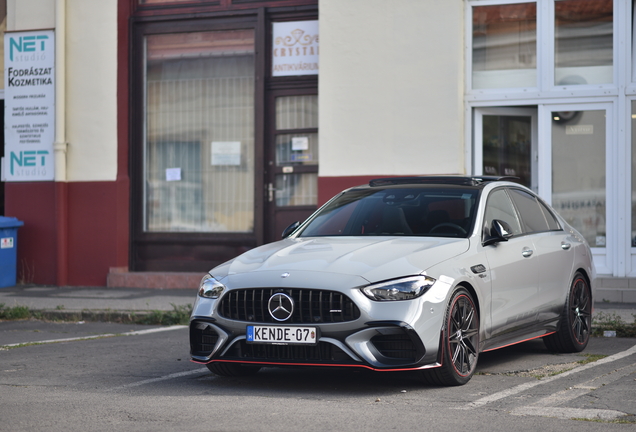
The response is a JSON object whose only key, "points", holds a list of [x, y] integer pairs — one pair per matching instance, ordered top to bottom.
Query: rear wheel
{"points": [[576, 319], [460, 342], [232, 369]]}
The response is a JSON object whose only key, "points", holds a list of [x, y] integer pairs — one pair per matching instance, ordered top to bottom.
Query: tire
{"points": [[575, 324], [460, 342], [232, 369]]}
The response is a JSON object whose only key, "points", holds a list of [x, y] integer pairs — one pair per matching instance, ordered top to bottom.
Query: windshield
{"points": [[439, 211]]}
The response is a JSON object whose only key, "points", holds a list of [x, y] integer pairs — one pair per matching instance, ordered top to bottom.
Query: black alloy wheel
{"points": [[575, 325], [460, 342]]}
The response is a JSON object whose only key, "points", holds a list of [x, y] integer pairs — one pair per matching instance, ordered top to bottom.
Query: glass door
{"points": [[506, 143], [292, 165], [580, 183]]}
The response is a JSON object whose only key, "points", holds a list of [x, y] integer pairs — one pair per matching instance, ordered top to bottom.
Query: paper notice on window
{"points": [[300, 143], [226, 153], [173, 174]]}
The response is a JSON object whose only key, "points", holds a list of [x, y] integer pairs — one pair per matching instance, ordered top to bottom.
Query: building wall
{"points": [[30, 14], [91, 71], [375, 113], [73, 229]]}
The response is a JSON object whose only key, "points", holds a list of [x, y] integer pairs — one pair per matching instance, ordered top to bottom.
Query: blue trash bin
{"points": [[8, 250]]}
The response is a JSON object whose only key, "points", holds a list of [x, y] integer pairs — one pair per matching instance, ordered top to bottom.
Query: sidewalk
{"points": [[101, 300], [95, 303]]}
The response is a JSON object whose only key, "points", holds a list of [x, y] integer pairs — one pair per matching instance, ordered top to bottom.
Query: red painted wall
{"points": [[330, 186], [34, 204], [94, 236], [94, 241]]}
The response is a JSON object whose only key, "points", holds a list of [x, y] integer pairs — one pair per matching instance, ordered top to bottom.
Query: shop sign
{"points": [[295, 48], [29, 115]]}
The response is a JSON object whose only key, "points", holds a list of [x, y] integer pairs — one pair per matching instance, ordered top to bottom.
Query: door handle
{"points": [[270, 191], [565, 246], [527, 253]]}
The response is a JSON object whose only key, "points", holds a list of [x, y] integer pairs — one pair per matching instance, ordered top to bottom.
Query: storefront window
{"points": [[583, 42], [504, 46], [199, 135], [578, 171]]}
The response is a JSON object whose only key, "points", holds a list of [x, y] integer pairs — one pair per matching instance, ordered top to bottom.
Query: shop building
{"points": [[188, 131]]}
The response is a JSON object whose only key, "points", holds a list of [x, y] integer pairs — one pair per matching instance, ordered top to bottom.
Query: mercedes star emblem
{"points": [[280, 306]]}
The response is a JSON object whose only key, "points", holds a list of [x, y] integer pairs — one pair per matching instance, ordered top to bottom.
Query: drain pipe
{"points": [[60, 145]]}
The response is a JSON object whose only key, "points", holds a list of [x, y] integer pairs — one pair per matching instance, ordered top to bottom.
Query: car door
{"points": [[552, 254], [514, 276]]}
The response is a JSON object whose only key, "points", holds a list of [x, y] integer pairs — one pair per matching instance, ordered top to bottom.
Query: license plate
{"points": [[282, 335]]}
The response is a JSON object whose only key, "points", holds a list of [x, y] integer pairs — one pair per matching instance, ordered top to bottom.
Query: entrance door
{"points": [[506, 143], [291, 186], [581, 186]]}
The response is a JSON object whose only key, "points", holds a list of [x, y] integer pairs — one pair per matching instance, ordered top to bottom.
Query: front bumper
{"points": [[373, 340]]}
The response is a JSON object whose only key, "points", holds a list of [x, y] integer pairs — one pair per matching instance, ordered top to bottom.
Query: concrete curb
{"points": [[119, 316]]}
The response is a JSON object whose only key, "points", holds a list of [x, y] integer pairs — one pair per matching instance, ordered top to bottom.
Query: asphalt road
{"points": [[105, 376]]}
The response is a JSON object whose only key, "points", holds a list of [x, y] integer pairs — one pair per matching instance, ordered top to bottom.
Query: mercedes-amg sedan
{"points": [[417, 273]]}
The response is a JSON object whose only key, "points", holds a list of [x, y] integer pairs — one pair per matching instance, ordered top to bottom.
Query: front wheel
{"points": [[576, 319], [460, 342]]}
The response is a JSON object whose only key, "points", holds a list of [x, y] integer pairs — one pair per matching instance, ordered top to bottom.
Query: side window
{"points": [[500, 207], [532, 216], [553, 223]]}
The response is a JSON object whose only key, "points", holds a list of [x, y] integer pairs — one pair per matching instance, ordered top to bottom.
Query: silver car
{"points": [[417, 273]]}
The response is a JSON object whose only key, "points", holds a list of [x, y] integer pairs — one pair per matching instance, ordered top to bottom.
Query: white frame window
{"points": [[618, 258]]}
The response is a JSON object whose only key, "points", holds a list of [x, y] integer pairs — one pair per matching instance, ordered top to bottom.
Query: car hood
{"points": [[372, 258]]}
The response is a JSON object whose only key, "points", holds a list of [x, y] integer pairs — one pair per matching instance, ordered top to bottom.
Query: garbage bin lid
{"points": [[10, 222]]}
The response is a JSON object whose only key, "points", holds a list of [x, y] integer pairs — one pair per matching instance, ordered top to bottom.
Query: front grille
{"points": [[310, 306], [202, 342], [398, 346], [322, 353]]}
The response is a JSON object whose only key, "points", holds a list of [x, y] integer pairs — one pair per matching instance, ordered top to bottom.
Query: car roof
{"points": [[479, 181]]}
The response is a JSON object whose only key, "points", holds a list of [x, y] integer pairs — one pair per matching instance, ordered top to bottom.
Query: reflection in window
{"points": [[583, 42], [505, 46], [296, 112], [199, 134], [507, 142], [578, 172], [296, 189]]}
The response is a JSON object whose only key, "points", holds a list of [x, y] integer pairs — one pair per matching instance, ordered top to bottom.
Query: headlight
{"points": [[210, 287], [399, 289]]}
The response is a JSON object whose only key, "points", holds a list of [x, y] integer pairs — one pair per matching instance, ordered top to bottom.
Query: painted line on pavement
{"points": [[107, 335], [162, 378], [526, 386], [549, 406]]}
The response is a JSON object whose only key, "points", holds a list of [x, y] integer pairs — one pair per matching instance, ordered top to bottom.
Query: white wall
{"points": [[30, 15], [91, 79], [391, 87], [91, 89]]}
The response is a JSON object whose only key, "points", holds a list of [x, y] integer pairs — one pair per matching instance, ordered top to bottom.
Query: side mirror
{"points": [[290, 229], [500, 231]]}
